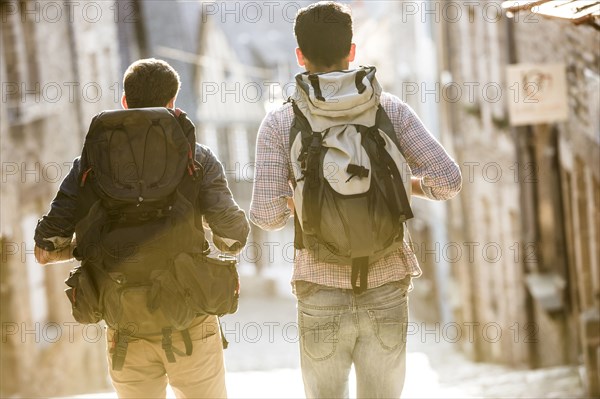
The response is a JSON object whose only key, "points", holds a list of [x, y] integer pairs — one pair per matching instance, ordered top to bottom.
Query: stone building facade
{"points": [[58, 67], [528, 219]]}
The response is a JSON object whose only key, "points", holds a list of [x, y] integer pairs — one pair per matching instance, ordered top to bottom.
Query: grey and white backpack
{"points": [[352, 183]]}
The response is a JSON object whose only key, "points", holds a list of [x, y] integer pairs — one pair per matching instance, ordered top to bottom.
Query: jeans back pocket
{"points": [[390, 325], [318, 335]]}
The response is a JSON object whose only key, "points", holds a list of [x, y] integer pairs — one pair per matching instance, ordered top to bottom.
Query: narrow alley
{"points": [[508, 303], [263, 362]]}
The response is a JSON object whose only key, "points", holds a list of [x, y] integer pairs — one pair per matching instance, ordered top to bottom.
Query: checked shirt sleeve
{"points": [[441, 177], [268, 209]]}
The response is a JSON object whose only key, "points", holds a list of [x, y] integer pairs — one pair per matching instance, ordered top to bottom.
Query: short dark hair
{"points": [[324, 32], [150, 83]]}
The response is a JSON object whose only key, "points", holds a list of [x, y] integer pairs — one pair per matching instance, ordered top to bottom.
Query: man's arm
{"points": [[435, 174], [416, 189], [270, 208], [224, 217], [54, 231], [44, 257]]}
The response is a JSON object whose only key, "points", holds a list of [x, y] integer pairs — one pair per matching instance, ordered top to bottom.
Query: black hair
{"points": [[324, 32]]}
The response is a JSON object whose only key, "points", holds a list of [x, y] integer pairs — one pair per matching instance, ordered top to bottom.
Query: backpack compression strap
{"points": [[360, 268], [122, 338], [120, 349], [170, 350]]}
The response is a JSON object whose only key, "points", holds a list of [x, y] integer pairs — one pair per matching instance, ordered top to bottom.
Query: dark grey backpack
{"points": [[145, 269]]}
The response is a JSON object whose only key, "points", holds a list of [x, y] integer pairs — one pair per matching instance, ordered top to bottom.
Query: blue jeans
{"points": [[339, 328]]}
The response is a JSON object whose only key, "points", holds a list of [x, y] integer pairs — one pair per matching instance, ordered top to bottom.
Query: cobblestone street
{"points": [[262, 362], [434, 369]]}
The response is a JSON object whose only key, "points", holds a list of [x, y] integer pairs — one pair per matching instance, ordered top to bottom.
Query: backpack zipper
{"points": [[84, 176]]}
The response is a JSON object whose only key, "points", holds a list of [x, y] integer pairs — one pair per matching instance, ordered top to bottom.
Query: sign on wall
{"points": [[537, 94]]}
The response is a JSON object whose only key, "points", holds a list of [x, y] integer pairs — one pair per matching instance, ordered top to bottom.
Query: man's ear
{"points": [[352, 52], [300, 57], [124, 102], [171, 104]]}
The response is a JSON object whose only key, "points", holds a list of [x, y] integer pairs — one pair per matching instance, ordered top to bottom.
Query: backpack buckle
{"points": [[356, 171]]}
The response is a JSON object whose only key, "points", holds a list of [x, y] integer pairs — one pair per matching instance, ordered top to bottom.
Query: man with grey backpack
{"points": [[344, 158]]}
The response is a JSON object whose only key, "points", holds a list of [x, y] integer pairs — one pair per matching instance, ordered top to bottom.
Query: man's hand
{"points": [[417, 191], [290, 204], [227, 245], [44, 257]]}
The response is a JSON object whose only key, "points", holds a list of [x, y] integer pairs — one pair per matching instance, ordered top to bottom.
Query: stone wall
{"points": [[58, 68], [531, 191]]}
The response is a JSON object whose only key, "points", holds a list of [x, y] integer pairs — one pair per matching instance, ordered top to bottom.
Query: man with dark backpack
{"points": [[344, 158], [137, 200]]}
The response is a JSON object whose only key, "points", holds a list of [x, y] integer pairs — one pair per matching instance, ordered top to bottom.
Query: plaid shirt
{"points": [[441, 180]]}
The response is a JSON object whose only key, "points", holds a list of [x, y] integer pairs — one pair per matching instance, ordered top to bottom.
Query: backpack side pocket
{"points": [[211, 286], [83, 295]]}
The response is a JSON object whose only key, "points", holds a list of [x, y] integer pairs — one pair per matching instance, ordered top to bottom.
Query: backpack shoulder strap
{"points": [[384, 123], [299, 125], [311, 141], [84, 163]]}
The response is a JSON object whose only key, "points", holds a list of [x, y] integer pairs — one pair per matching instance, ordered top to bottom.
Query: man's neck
{"points": [[319, 69]]}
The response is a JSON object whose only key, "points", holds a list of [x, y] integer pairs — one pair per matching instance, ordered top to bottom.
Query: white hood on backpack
{"points": [[338, 98], [334, 104]]}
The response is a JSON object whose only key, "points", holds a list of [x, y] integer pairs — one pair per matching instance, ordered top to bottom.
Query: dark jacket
{"points": [[215, 203]]}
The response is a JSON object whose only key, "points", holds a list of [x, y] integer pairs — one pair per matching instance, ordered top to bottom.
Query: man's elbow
{"points": [[455, 183], [445, 186]]}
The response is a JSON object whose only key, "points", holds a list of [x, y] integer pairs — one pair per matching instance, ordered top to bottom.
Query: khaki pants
{"points": [[147, 371]]}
